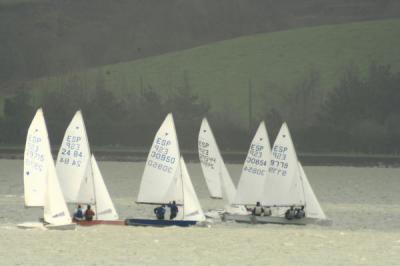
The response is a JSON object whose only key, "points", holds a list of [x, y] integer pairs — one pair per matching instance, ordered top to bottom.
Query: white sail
{"points": [[35, 158], [209, 159], [72, 163], [162, 172], [217, 177], [251, 184], [283, 184], [227, 186], [86, 193], [191, 205], [312, 207], [55, 209], [105, 209]]}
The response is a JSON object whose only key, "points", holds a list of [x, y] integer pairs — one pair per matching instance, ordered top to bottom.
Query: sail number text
{"points": [[71, 153], [160, 153], [204, 155], [33, 156], [278, 165]]}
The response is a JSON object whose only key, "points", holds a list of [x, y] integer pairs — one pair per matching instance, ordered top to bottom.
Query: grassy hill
{"points": [[51, 37], [274, 62]]}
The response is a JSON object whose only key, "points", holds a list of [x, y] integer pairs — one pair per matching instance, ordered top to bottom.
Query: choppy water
{"points": [[364, 204]]}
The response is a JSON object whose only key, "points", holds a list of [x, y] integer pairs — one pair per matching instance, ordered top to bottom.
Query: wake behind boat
{"points": [[166, 179]]}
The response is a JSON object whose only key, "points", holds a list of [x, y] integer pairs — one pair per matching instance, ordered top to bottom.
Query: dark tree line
{"points": [[360, 115], [131, 121]]}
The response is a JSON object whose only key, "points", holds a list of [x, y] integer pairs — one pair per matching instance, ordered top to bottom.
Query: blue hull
{"points": [[159, 223]]}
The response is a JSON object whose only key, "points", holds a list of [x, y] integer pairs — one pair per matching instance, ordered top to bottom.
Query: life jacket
{"points": [[79, 213]]}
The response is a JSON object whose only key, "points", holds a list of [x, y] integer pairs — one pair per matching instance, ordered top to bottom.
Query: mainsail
{"points": [[209, 156], [35, 161], [73, 163], [214, 169], [254, 173], [161, 179], [283, 186]]}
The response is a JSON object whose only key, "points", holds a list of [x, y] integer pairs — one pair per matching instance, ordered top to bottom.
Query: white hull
{"points": [[31, 225], [42, 226]]}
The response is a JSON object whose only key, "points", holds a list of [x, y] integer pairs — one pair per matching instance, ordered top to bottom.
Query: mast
{"points": [[183, 190]]}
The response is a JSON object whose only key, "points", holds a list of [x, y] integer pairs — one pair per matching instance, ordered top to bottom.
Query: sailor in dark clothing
{"points": [[174, 210], [258, 210], [160, 212], [290, 213], [300, 213], [89, 214], [78, 215]]}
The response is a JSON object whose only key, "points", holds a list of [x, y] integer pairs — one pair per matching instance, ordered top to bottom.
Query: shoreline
{"points": [[232, 157]]}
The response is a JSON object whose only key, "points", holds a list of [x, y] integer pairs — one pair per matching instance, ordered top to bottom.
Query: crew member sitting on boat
{"points": [[174, 210], [258, 210], [160, 212], [89, 213], [290, 213], [300, 213], [78, 215]]}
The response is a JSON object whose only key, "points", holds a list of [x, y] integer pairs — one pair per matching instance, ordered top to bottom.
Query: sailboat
{"points": [[254, 172], [80, 176], [166, 179], [219, 182], [286, 185], [41, 186]]}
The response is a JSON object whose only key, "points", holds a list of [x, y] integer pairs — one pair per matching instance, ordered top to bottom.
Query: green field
{"points": [[274, 62]]}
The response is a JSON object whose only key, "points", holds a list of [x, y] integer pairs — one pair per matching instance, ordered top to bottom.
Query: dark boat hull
{"points": [[278, 220], [99, 222], [159, 223]]}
